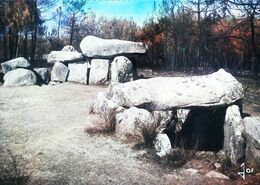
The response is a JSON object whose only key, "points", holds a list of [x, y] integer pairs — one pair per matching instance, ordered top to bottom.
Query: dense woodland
{"points": [[181, 35]]}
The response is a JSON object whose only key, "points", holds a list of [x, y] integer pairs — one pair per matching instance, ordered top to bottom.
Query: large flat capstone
{"points": [[95, 47], [163, 93]]}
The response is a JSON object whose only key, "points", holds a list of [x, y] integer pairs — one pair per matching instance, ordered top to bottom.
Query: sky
{"points": [[139, 10]]}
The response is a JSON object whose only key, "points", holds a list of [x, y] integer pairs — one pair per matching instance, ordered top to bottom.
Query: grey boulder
{"points": [[95, 47], [14, 64], [121, 70], [99, 71], [59, 72], [19, 77], [165, 93], [103, 106], [130, 121], [252, 135]]}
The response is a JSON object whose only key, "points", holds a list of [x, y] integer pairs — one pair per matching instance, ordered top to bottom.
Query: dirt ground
{"points": [[45, 125]]}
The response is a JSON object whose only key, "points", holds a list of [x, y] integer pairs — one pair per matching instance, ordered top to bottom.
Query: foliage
{"points": [[149, 133]]}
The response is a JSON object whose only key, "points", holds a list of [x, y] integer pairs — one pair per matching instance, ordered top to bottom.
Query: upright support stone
{"points": [[99, 71], [59, 72], [234, 143]]}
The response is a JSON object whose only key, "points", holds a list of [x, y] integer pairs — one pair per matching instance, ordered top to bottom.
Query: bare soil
{"points": [[45, 125]]}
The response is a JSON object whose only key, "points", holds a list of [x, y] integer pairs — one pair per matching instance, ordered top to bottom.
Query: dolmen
{"points": [[101, 61], [19, 72], [197, 111]]}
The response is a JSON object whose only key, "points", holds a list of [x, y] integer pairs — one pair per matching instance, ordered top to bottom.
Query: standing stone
{"points": [[95, 47], [14, 64], [121, 70], [99, 71], [59, 72], [78, 72], [42, 74], [19, 77], [131, 120], [252, 135], [233, 140], [162, 144]]}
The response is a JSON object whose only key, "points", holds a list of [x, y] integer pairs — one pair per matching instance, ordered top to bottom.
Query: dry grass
{"points": [[108, 126], [149, 133]]}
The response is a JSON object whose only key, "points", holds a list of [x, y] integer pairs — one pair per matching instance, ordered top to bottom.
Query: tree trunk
{"points": [[72, 28], [34, 34], [10, 43], [5, 48], [25, 54], [254, 60]]}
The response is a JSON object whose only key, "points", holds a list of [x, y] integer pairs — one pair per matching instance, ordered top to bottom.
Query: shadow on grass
{"points": [[12, 169]]}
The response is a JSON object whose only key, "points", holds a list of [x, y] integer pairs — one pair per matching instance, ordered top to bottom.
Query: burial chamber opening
{"points": [[202, 130]]}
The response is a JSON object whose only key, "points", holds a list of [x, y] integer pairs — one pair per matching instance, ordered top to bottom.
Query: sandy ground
{"points": [[45, 125]]}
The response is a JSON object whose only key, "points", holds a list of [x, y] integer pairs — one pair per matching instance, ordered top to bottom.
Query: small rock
{"points": [[162, 145], [217, 165], [189, 172], [214, 174]]}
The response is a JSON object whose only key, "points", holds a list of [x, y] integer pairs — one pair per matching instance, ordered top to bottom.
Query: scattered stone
{"points": [[95, 47], [69, 48], [64, 56], [14, 64], [121, 70], [59, 72], [78, 72], [99, 72], [42, 74], [19, 77], [52, 83], [165, 93], [130, 121], [252, 135], [233, 140], [162, 144], [217, 166], [189, 172], [214, 174]]}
